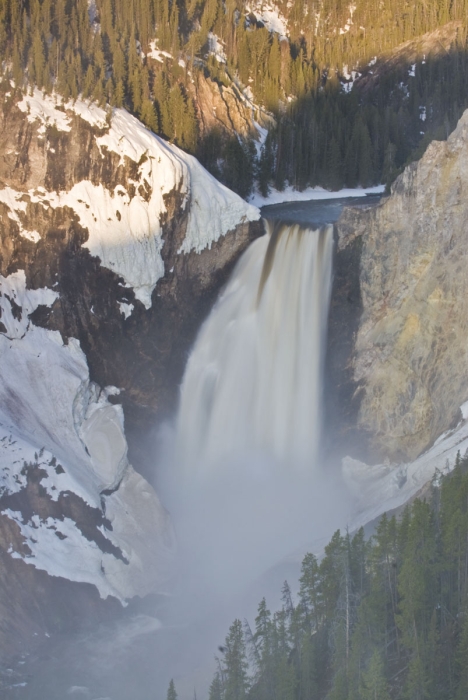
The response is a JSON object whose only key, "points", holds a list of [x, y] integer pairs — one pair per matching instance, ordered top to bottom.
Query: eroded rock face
{"points": [[225, 108], [410, 354]]}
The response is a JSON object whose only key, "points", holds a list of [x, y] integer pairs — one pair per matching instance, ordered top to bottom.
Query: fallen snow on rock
{"points": [[269, 14], [349, 22], [215, 48], [156, 53], [44, 109], [53, 110], [289, 194], [12, 198], [214, 209], [125, 228], [17, 302], [125, 309], [55, 420], [17, 454], [383, 487], [140, 530]]}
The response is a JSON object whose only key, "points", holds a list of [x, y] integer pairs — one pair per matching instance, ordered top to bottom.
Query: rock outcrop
{"points": [[227, 109], [113, 246], [406, 373]]}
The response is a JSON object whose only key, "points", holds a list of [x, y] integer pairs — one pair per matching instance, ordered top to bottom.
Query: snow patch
{"points": [[92, 11], [269, 14], [349, 22], [215, 48], [156, 54], [350, 77], [404, 89], [43, 108], [51, 110], [90, 112], [262, 135], [289, 194], [15, 202], [214, 209], [124, 232], [33, 236], [17, 303], [125, 309], [17, 454], [383, 487], [59, 548]]}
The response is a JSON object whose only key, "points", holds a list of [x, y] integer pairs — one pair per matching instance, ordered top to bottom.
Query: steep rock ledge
{"points": [[407, 367]]}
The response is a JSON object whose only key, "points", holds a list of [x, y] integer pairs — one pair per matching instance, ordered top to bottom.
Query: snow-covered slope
{"points": [[125, 223], [57, 423], [383, 487]]}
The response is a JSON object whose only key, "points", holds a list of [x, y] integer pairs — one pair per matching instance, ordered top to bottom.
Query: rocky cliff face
{"points": [[227, 109], [113, 246], [406, 373]]}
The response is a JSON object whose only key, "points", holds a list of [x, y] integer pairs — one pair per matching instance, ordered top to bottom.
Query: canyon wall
{"points": [[113, 246], [400, 306]]}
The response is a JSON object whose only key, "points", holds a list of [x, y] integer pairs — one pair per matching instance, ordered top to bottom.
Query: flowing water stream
{"points": [[253, 380]]}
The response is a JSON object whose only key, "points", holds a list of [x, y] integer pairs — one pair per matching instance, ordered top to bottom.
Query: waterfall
{"points": [[253, 382]]}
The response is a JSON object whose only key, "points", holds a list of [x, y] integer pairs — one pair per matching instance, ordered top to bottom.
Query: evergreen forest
{"points": [[324, 131], [378, 619]]}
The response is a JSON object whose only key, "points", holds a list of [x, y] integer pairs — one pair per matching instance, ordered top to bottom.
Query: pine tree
{"points": [[148, 116], [309, 591], [235, 664], [374, 684], [216, 688], [171, 691]]}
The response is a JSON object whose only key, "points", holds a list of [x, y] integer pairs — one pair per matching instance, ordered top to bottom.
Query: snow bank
{"points": [[269, 14], [349, 21], [216, 48], [156, 54], [289, 194], [16, 205], [214, 209], [14, 294], [46, 399], [53, 417], [383, 487]]}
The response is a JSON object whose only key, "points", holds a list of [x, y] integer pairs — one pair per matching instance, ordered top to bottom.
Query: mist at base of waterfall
{"points": [[241, 530]]}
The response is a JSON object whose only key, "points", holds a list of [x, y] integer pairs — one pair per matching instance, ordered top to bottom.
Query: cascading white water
{"points": [[252, 385]]}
